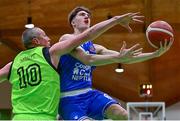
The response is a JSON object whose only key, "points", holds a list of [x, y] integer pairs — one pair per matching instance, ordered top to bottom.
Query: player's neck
{"points": [[78, 31]]}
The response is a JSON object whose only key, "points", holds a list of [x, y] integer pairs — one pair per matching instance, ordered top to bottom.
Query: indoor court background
{"points": [[51, 15]]}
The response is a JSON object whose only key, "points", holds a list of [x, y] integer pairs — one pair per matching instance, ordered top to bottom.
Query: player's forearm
{"points": [[101, 27], [96, 30], [89, 34], [109, 52], [142, 57], [98, 60]]}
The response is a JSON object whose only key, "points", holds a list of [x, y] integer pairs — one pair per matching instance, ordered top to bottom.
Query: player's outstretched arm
{"points": [[93, 32], [64, 47], [103, 50], [125, 56], [140, 57], [107, 58], [4, 72]]}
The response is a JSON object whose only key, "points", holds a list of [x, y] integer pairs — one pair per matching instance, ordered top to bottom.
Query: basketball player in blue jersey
{"points": [[78, 100]]}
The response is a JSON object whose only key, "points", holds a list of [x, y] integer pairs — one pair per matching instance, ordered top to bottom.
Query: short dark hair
{"points": [[74, 12], [28, 35]]}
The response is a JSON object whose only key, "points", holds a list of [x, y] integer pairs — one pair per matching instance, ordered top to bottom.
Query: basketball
{"points": [[157, 32]]}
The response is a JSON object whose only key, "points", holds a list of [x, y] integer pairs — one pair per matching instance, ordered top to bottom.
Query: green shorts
{"points": [[33, 117]]}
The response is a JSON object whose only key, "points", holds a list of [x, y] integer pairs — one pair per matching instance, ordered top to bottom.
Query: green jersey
{"points": [[35, 83]]}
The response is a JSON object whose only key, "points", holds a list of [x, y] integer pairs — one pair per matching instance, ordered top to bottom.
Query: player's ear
{"points": [[73, 23], [35, 41]]}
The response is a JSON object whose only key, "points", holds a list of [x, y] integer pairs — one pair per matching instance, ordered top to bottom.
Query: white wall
{"points": [[173, 112]]}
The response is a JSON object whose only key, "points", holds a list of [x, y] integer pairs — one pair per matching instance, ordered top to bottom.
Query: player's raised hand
{"points": [[125, 19]]}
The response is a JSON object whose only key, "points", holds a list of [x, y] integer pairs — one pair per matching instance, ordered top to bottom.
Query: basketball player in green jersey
{"points": [[35, 82]]}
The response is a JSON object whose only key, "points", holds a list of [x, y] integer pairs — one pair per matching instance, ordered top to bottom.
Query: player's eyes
{"points": [[83, 14]]}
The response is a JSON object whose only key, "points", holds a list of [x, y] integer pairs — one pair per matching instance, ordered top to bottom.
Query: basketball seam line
{"points": [[158, 29]]}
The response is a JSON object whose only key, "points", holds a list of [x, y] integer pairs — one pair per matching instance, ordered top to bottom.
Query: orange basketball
{"points": [[158, 31]]}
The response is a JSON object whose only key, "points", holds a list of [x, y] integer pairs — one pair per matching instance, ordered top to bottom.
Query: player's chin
{"points": [[86, 26]]}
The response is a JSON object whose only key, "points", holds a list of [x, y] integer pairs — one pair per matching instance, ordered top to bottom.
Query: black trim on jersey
{"points": [[46, 55], [59, 66], [10, 70]]}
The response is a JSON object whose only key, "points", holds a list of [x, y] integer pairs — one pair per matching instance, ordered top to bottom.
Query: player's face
{"points": [[82, 20], [43, 39]]}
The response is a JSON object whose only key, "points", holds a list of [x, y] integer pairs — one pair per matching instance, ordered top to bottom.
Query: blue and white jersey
{"points": [[74, 74]]}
